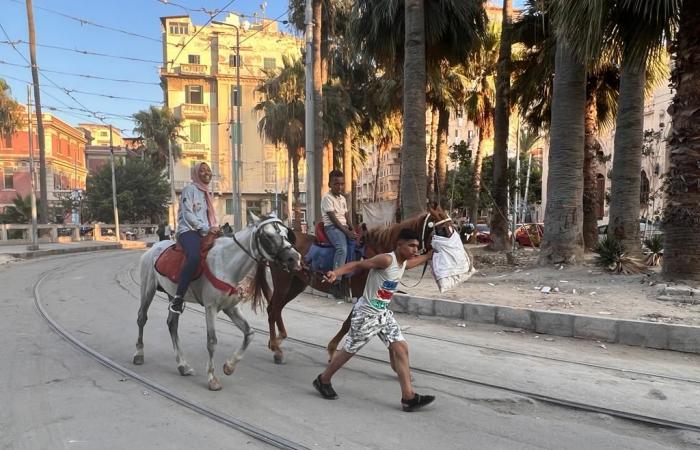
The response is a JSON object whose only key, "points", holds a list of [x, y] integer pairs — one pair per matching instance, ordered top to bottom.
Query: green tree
{"points": [[410, 34], [10, 112], [282, 122], [159, 128], [142, 192], [20, 211]]}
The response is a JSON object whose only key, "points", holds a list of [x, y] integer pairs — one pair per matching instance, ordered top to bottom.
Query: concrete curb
{"points": [[63, 251], [682, 338]]}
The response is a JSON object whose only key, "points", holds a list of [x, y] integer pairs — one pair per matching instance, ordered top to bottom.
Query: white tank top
{"points": [[382, 284]]}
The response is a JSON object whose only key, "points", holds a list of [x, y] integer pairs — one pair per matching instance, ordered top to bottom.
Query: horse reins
{"points": [[426, 225], [254, 241]]}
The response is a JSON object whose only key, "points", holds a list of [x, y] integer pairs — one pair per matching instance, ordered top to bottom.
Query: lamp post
{"points": [[236, 136], [34, 245]]}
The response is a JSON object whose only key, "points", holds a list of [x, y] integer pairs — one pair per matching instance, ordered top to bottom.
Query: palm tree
{"points": [[621, 26], [410, 34], [479, 104], [10, 112], [282, 122], [159, 128], [682, 211], [499, 219]]}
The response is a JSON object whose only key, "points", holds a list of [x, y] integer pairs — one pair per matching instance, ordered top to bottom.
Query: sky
{"points": [[116, 18]]}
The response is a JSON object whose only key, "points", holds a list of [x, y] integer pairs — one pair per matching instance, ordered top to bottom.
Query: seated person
{"points": [[336, 220]]}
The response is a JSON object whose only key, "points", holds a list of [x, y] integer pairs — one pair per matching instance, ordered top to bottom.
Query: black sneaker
{"points": [[177, 305], [325, 389], [417, 402]]}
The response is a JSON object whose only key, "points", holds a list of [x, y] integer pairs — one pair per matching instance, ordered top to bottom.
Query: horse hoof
{"points": [[279, 358], [138, 359], [229, 368], [185, 370], [214, 385]]}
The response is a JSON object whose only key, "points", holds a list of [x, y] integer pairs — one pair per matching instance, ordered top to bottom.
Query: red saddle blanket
{"points": [[321, 236], [170, 262]]}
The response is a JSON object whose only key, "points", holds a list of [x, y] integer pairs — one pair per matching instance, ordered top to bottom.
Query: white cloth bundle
{"points": [[451, 263]]}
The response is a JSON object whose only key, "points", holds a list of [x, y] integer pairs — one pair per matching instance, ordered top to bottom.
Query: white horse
{"points": [[231, 260]]}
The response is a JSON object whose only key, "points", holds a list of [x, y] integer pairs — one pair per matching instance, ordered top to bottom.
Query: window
{"points": [[178, 28], [193, 59], [234, 60], [269, 63], [193, 94], [234, 96], [195, 132], [104, 133], [457, 133], [470, 134], [8, 140], [270, 175], [8, 179], [229, 206], [253, 206]]}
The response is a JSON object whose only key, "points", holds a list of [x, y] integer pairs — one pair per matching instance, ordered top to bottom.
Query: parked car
{"points": [[483, 233], [529, 234]]}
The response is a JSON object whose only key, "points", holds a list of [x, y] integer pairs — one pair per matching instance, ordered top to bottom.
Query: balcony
{"points": [[192, 69], [192, 110], [194, 149]]}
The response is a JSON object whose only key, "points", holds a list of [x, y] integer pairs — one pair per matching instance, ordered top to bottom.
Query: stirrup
{"points": [[174, 302]]}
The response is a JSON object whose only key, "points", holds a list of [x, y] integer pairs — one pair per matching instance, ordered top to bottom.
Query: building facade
{"points": [[200, 66], [65, 161]]}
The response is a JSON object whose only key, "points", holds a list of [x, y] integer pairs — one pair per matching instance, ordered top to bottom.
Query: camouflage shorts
{"points": [[366, 323]]}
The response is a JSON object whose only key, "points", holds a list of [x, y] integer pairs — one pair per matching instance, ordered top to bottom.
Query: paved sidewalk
{"points": [[21, 251]]}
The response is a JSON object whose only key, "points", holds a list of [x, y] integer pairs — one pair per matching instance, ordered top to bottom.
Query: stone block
{"points": [[399, 303], [421, 306], [449, 309], [479, 312], [514, 317], [555, 323], [590, 327], [644, 334], [683, 338]]}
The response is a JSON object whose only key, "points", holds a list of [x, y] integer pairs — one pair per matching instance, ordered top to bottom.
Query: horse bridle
{"points": [[430, 225], [255, 244]]}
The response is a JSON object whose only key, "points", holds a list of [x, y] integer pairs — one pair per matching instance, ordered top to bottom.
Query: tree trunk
{"points": [[318, 116], [434, 117], [295, 155], [441, 155], [627, 159], [347, 169], [590, 170], [413, 176], [476, 179], [43, 189], [682, 213], [499, 219], [563, 239]]}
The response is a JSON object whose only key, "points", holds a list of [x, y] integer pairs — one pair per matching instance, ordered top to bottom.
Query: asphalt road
{"points": [[55, 396]]}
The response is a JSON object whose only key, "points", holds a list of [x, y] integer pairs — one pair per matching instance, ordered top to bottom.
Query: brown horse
{"points": [[286, 286]]}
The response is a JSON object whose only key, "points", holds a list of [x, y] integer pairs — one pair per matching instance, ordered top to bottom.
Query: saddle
{"points": [[170, 262]]}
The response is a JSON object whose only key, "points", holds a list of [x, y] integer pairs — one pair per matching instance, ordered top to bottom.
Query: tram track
{"points": [[571, 404], [251, 430]]}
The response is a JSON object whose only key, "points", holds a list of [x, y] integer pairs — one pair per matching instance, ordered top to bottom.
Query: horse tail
{"points": [[262, 293]]}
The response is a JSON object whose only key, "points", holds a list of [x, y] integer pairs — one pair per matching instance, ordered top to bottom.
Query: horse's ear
{"points": [[253, 217]]}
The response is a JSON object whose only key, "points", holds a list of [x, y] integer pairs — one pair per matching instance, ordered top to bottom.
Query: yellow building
{"points": [[199, 79], [99, 134]]}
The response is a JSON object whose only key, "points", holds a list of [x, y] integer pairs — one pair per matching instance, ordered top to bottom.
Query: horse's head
{"points": [[435, 222], [273, 238]]}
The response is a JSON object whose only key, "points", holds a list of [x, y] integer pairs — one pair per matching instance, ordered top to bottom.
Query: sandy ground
{"points": [[585, 289]]}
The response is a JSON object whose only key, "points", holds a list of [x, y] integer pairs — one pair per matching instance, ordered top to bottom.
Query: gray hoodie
{"points": [[192, 215]]}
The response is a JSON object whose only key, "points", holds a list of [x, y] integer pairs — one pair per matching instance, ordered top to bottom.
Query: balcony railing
{"points": [[193, 69], [188, 110], [194, 148]]}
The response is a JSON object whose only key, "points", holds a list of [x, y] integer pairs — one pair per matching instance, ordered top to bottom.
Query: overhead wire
{"points": [[84, 52], [96, 77]]}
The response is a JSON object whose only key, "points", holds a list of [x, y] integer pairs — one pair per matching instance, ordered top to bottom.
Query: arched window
{"points": [[644, 189]]}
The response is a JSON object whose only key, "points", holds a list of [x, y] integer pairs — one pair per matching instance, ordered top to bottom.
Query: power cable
{"points": [[84, 52], [119, 80]]}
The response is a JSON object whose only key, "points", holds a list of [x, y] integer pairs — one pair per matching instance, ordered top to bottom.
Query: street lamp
{"points": [[236, 137]]}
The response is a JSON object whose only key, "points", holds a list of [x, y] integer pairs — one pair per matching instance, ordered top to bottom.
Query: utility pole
{"points": [[309, 143], [114, 186], [44, 204], [35, 242]]}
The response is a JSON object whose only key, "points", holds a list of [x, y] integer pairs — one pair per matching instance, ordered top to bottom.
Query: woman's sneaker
{"points": [[325, 389], [417, 402]]}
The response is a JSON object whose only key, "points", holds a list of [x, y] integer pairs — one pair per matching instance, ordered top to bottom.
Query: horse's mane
{"points": [[383, 239]]}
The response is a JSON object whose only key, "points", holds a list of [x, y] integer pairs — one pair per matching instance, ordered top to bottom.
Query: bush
{"points": [[611, 255]]}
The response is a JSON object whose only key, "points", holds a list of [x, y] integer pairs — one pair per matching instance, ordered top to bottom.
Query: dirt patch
{"points": [[583, 289]]}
